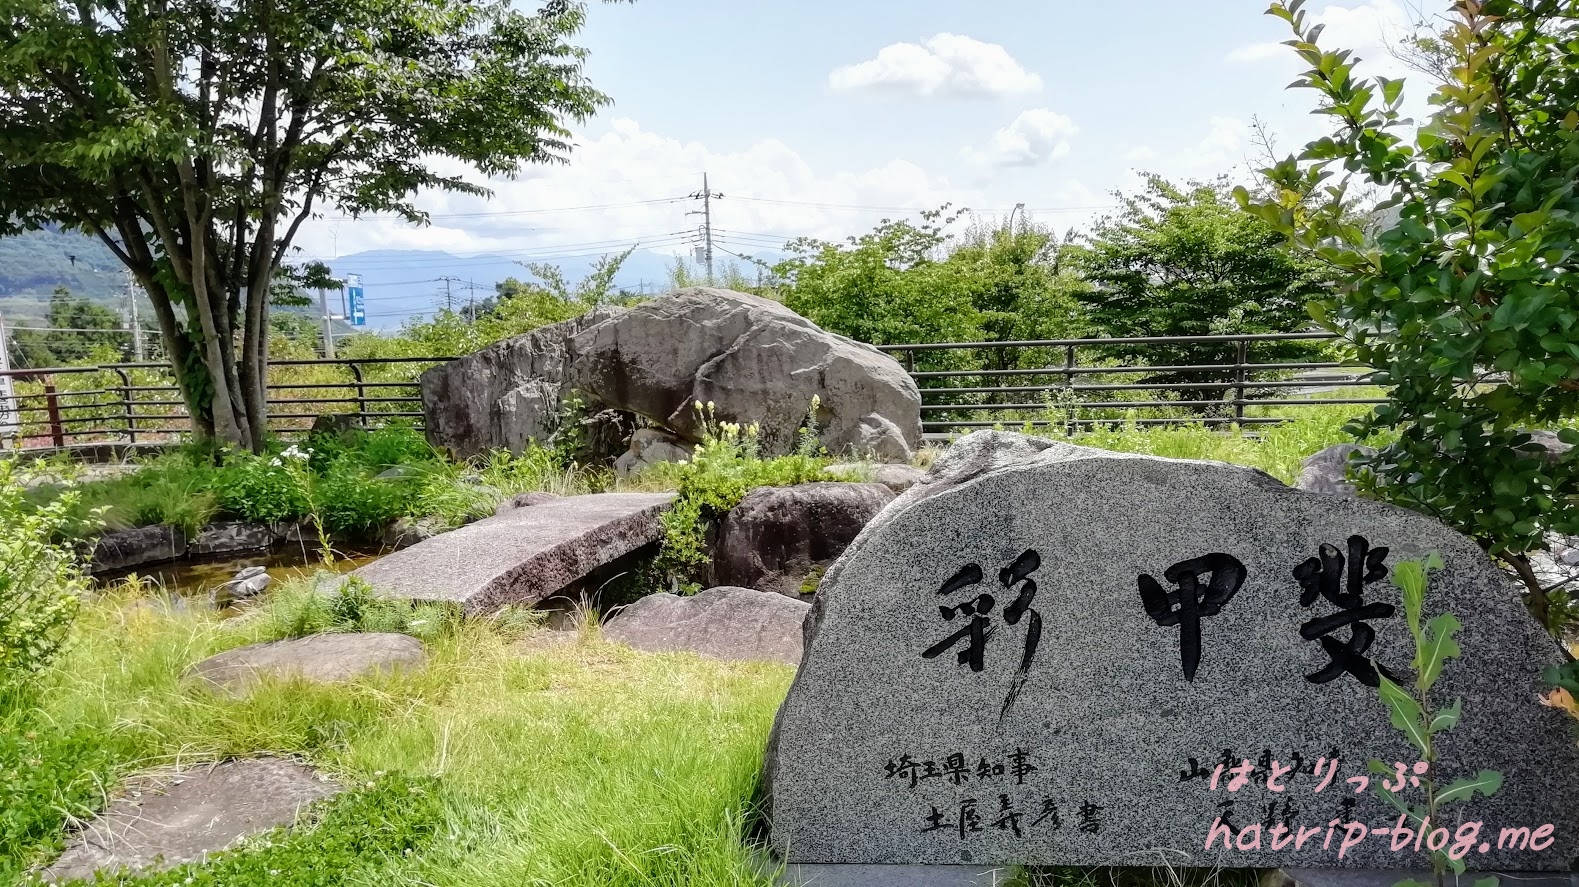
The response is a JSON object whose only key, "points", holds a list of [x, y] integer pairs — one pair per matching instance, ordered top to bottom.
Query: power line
{"points": [[707, 196], [549, 251]]}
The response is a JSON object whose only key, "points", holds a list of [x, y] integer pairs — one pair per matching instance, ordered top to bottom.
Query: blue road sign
{"points": [[353, 292]]}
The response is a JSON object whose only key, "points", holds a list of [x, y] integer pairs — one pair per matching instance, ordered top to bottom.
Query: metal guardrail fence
{"points": [[1073, 383], [1091, 387], [140, 403]]}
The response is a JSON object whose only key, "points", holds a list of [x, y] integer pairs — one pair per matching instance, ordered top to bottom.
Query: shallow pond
{"points": [[195, 578]]}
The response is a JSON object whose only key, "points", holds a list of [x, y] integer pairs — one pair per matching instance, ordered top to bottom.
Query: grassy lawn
{"points": [[517, 757], [576, 763]]}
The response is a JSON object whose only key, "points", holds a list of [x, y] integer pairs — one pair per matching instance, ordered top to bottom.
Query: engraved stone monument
{"points": [[1052, 655]]}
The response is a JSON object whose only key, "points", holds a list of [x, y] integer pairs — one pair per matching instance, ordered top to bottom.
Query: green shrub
{"points": [[1458, 290], [726, 465], [260, 488], [352, 502], [39, 580], [299, 610], [46, 778]]}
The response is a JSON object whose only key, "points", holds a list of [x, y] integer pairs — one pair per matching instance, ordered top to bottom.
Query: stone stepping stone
{"points": [[522, 556], [725, 623], [324, 658], [173, 817]]}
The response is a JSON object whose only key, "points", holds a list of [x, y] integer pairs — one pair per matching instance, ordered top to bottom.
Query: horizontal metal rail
{"points": [[1068, 383]]}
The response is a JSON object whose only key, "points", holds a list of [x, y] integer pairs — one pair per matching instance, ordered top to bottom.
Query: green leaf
{"points": [[1438, 646], [1405, 714], [1447, 718], [1486, 782]]}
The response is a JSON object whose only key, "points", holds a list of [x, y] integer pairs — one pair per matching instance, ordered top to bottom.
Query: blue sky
{"points": [[816, 117]]}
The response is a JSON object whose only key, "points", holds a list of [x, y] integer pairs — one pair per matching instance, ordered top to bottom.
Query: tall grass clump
{"points": [[725, 466]]}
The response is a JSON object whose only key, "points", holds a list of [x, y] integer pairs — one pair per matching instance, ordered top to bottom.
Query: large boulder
{"points": [[755, 361], [506, 395], [777, 536], [124, 549], [724, 623], [1039, 656]]}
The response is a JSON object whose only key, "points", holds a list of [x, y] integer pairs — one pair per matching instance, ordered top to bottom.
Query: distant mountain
{"points": [[34, 263], [398, 284]]}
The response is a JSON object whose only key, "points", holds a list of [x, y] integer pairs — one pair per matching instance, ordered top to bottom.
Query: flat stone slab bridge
{"points": [[522, 556]]}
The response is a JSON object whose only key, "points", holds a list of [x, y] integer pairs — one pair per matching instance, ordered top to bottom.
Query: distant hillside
{"points": [[33, 264], [398, 284]]}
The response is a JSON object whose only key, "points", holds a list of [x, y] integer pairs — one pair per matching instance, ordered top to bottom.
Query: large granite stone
{"points": [[757, 362], [504, 396], [1326, 471], [777, 536], [225, 537], [124, 549], [523, 556], [725, 623], [323, 658], [1122, 743], [173, 817]]}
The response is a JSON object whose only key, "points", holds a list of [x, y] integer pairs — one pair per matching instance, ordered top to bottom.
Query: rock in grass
{"points": [[1327, 470], [898, 478], [525, 500], [777, 536], [224, 537], [247, 584], [725, 623], [1011, 640], [324, 658], [165, 819]]}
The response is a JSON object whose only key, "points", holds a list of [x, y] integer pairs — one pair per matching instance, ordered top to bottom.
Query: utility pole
{"points": [[707, 197], [471, 288], [449, 295], [131, 316], [328, 325], [8, 405]]}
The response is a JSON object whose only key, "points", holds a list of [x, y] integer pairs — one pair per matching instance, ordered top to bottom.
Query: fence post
{"points": [[1241, 358], [910, 362], [361, 395], [126, 405], [1071, 424], [57, 432]]}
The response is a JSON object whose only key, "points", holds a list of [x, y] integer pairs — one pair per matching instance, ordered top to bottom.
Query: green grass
{"points": [[1276, 449], [576, 764]]}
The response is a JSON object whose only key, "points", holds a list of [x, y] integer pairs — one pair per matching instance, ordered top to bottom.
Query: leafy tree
{"points": [[194, 139], [1184, 261], [1021, 285], [887, 287], [1461, 292], [77, 331]]}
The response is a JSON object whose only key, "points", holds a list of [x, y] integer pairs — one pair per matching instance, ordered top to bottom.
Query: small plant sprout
{"points": [[1413, 714]]}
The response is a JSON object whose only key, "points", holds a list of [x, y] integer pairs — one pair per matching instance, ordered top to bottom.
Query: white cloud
{"points": [[1370, 28], [946, 64], [1034, 138], [1225, 145], [631, 165]]}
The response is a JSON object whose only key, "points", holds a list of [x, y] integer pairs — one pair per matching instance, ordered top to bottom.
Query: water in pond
{"points": [[195, 578]]}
